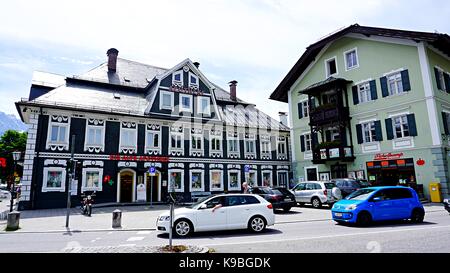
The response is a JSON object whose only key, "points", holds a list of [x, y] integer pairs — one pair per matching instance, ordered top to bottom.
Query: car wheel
{"points": [[316, 203], [286, 209], [417, 216], [364, 219], [257, 224], [182, 228]]}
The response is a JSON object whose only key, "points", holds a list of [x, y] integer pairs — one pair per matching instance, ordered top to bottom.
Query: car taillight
{"points": [[325, 192], [270, 206]]}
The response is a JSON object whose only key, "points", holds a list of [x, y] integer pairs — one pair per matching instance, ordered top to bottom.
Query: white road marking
{"points": [[144, 232], [109, 233], [328, 236], [132, 239], [93, 241], [128, 245]]}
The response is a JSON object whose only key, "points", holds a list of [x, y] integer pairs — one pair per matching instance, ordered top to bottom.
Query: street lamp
{"points": [[16, 157]]}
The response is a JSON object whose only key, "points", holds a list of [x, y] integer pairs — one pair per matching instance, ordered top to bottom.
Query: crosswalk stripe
{"points": [[144, 232], [131, 239]]}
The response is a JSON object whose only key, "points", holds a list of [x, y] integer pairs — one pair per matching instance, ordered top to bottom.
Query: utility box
{"points": [[435, 192]]}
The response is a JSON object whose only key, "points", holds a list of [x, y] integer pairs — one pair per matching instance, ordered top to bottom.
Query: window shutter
{"points": [[405, 80], [438, 82], [447, 82], [384, 87], [373, 90], [355, 95], [300, 110], [444, 119], [412, 125], [389, 129], [378, 132], [359, 134], [344, 137], [314, 140], [302, 143]]}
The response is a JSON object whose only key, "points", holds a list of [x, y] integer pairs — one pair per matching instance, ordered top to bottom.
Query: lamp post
{"points": [[16, 157]]}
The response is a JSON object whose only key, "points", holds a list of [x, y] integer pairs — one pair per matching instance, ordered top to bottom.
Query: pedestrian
{"points": [[245, 187]]}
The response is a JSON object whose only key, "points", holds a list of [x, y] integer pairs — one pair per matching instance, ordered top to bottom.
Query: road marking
{"points": [[144, 232], [109, 233], [328, 236], [132, 239], [93, 241], [128, 245]]}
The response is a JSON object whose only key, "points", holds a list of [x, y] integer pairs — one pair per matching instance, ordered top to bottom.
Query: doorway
{"points": [[311, 174], [282, 179], [126, 186], [153, 186]]}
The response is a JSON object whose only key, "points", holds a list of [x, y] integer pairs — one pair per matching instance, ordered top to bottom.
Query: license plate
{"points": [[338, 214]]}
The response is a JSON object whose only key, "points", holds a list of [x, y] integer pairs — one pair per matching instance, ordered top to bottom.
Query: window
{"points": [[351, 59], [331, 67], [177, 78], [440, 79], [193, 81], [395, 84], [364, 93], [166, 100], [185, 103], [203, 105], [305, 108], [446, 120], [401, 127], [369, 132], [58, 133], [332, 135], [95, 136], [128, 138], [152, 140], [176, 141], [196, 142], [308, 142], [215, 144], [250, 146], [265, 146], [282, 147], [54, 179], [92, 179], [252, 179], [267, 179], [234, 180], [176, 182], [197, 183], [216, 183]]}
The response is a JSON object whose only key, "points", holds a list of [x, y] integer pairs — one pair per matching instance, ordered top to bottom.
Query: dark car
{"points": [[363, 183], [348, 185], [280, 198]]}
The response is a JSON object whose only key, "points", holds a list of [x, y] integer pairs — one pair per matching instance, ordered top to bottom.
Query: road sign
{"points": [[246, 168], [152, 171]]}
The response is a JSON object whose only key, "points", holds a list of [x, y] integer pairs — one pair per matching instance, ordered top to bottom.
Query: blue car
{"points": [[372, 204]]}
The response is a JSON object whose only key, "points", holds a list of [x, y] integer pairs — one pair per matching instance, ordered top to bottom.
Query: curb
{"points": [[80, 231]]}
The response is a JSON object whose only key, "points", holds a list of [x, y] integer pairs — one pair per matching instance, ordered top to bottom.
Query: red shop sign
{"points": [[387, 156], [420, 162]]}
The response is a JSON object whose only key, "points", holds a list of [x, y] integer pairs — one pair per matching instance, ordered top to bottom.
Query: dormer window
{"points": [[331, 67], [177, 78], [193, 81], [166, 100], [185, 103], [203, 105]]}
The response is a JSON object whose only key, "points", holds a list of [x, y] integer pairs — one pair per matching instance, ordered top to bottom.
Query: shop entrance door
{"points": [[126, 186]]}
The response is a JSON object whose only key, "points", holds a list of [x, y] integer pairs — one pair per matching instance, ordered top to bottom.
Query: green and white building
{"points": [[372, 103]]}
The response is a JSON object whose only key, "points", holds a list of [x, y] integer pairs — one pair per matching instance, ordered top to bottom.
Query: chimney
{"points": [[112, 59], [197, 64], [233, 90], [283, 118]]}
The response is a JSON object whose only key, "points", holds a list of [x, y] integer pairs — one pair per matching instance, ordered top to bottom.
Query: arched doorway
{"points": [[126, 186], [153, 186]]}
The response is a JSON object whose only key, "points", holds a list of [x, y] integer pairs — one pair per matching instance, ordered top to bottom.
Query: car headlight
{"points": [[351, 207], [164, 218]]}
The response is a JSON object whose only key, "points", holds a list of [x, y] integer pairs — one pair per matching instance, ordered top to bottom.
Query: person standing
{"points": [[245, 187]]}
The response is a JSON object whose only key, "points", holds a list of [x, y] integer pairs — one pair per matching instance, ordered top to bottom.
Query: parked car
{"points": [[363, 183], [347, 185], [3, 187], [316, 193], [4, 194], [281, 198], [379, 204], [447, 205], [220, 212]]}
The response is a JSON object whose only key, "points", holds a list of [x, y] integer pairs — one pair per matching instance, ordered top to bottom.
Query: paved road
{"points": [[313, 236]]}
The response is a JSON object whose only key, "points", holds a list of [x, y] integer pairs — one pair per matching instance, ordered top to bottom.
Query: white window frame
{"points": [[347, 68], [327, 72], [441, 78], [175, 82], [195, 86], [366, 90], [396, 91], [199, 104], [163, 107], [182, 108], [305, 108], [59, 125], [402, 129], [181, 135], [371, 136], [196, 137], [211, 140], [253, 141], [306, 141], [283, 144], [90, 145], [121, 145], [237, 145], [150, 146], [266, 147], [171, 171], [100, 177], [256, 177], [271, 177], [45, 178], [210, 180], [202, 188], [238, 188]]}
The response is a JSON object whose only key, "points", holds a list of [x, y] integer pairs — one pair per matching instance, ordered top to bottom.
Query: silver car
{"points": [[316, 193]]}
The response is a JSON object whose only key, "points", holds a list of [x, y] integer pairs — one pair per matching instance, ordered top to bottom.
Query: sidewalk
{"points": [[142, 218]]}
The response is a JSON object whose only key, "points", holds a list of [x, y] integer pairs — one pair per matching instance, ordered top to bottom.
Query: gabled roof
{"points": [[437, 40]]}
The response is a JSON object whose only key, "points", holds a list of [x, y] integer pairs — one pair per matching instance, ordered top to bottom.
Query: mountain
{"points": [[10, 122]]}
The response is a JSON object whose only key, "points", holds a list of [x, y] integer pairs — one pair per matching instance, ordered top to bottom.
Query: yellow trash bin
{"points": [[435, 192]]}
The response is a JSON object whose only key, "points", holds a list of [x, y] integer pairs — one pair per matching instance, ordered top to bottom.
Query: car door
{"points": [[310, 191], [299, 192], [401, 199], [383, 208], [238, 212], [210, 219]]}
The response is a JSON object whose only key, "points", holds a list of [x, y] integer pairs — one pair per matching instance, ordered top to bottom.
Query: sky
{"points": [[255, 42]]}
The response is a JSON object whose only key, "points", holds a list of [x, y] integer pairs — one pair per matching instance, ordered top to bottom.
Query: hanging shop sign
{"points": [[387, 156], [145, 158], [420, 162]]}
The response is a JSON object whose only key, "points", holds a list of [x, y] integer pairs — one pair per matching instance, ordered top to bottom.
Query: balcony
{"points": [[328, 113], [332, 151]]}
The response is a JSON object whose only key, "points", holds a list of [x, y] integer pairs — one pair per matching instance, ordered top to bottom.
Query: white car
{"points": [[316, 193], [4, 194], [220, 212]]}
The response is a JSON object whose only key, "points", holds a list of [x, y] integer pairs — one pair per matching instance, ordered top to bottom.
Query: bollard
{"points": [[117, 219], [13, 221]]}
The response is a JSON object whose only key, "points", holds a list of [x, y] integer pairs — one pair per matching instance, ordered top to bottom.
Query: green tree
{"points": [[11, 141]]}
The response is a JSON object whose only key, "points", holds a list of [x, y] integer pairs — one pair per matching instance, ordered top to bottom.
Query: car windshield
{"points": [[329, 185], [283, 190], [269, 191], [362, 194], [197, 204]]}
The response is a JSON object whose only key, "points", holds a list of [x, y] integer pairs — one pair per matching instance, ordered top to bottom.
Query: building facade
{"points": [[373, 104], [124, 118]]}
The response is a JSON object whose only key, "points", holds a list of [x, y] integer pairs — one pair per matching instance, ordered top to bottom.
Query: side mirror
{"points": [[377, 199], [203, 206]]}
